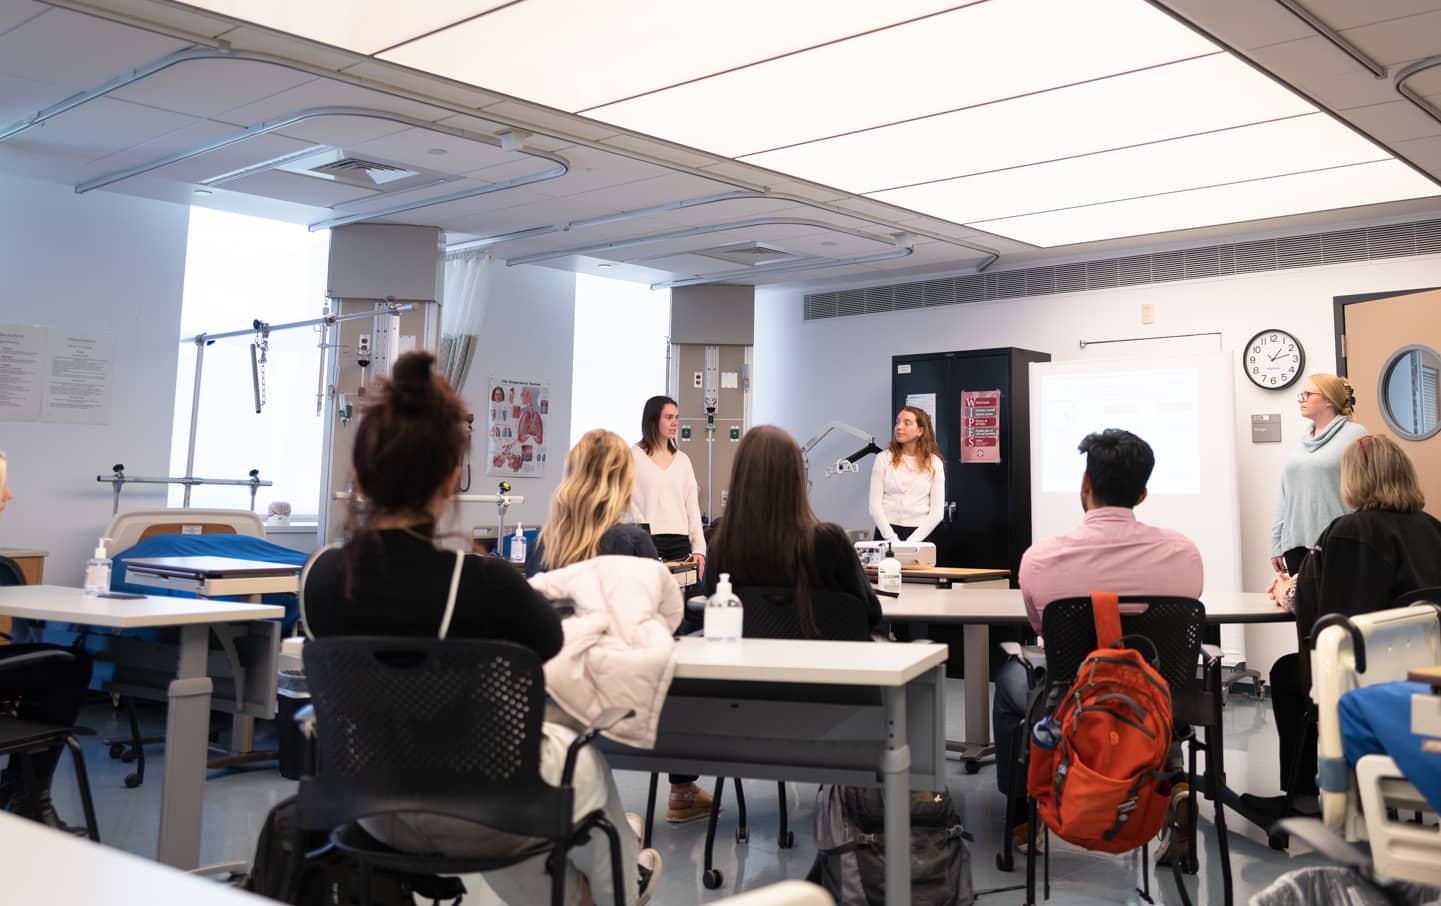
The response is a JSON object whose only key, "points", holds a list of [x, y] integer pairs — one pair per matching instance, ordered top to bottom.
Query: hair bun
{"points": [[411, 382]]}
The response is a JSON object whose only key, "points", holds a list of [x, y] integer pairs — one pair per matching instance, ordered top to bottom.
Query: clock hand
{"points": [[1278, 352]]}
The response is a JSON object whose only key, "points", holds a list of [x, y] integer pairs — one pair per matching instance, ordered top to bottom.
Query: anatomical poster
{"points": [[515, 427]]}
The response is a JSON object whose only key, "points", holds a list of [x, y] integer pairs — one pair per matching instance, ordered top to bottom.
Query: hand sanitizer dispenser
{"points": [[517, 545], [97, 571]]}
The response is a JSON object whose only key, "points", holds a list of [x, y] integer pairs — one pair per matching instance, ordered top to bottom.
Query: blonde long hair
{"points": [[926, 445], [592, 497]]}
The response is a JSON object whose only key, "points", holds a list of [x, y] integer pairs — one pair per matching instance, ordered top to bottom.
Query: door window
{"points": [[1408, 392]]}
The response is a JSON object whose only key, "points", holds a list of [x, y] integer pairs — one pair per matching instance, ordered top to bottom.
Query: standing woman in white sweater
{"points": [[908, 482], [667, 498]]}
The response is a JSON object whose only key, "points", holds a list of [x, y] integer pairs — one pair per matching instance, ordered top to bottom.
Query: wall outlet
{"points": [[1148, 313]]}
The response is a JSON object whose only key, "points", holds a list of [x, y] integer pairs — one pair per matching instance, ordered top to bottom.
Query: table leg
{"points": [[976, 645], [186, 724], [896, 775]]}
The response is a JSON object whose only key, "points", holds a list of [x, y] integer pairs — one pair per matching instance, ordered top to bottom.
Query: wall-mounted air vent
{"points": [[1399, 240]]}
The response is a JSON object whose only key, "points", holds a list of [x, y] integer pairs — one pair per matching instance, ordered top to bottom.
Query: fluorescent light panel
{"points": [[364, 26], [575, 54], [974, 55], [1199, 95], [1310, 142], [1298, 193]]}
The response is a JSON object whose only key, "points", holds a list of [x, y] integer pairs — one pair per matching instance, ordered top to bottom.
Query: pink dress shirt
{"points": [[1109, 551]]}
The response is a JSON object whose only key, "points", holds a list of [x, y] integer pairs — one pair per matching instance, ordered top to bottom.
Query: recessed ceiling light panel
{"points": [[364, 26]]}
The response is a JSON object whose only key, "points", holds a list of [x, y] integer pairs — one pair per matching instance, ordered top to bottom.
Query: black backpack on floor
{"points": [[851, 848], [321, 875]]}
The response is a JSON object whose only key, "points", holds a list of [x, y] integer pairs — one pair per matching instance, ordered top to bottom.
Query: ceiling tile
{"points": [[17, 12], [1399, 40], [76, 51], [577, 66], [211, 87], [329, 93], [453, 93], [20, 98], [547, 122], [1394, 122], [99, 128], [416, 146], [248, 153], [296, 188]]}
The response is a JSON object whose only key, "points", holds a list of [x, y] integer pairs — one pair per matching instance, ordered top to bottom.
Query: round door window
{"points": [[1408, 392]]}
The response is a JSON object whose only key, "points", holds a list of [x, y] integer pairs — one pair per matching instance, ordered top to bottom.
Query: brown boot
{"points": [[688, 804]]}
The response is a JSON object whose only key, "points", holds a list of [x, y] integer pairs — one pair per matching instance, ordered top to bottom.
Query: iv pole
{"points": [[202, 340]]}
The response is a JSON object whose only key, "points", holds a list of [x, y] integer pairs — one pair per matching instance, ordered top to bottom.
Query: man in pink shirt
{"points": [[1109, 551]]}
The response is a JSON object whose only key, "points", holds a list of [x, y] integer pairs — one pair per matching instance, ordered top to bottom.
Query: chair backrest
{"points": [[10, 573], [1430, 595], [770, 613], [1174, 625], [1393, 641], [449, 727]]}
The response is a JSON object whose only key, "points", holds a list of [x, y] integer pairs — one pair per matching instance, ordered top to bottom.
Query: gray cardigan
{"points": [[1310, 497]]}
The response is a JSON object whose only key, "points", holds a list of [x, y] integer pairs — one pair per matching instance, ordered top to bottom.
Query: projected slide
{"points": [[1160, 405]]}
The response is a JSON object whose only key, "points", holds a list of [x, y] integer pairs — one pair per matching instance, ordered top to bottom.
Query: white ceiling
{"points": [[532, 117]]}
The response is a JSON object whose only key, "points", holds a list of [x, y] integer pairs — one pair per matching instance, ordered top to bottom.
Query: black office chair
{"points": [[770, 613], [1176, 626], [443, 727], [23, 739]]}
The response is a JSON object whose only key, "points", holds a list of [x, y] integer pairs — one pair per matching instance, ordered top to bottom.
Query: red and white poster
{"points": [[980, 426]]}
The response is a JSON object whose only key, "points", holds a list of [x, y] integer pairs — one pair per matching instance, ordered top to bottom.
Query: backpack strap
{"points": [[1106, 609]]}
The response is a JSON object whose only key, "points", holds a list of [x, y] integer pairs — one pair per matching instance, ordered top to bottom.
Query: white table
{"points": [[213, 577], [977, 608], [188, 694], [808, 711], [45, 866]]}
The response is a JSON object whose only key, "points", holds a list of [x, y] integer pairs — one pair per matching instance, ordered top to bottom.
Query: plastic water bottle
{"points": [[517, 545], [97, 571], [889, 573], [724, 615], [1046, 733]]}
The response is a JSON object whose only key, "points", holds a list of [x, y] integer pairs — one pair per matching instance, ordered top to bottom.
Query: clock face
{"points": [[1274, 359]]}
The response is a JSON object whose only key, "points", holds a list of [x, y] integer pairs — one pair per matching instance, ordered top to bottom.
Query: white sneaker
{"points": [[649, 864]]}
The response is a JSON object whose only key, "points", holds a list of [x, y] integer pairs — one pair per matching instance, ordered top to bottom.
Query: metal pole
{"points": [[200, 343]]}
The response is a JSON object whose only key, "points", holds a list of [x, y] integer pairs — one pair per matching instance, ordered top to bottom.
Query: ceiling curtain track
{"points": [[467, 290]]}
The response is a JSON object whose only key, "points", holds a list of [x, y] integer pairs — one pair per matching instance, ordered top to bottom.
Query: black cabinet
{"points": [[990, 525]]}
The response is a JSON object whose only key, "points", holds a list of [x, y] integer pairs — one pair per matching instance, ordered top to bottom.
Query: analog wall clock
{"points": [[1274, 359]]}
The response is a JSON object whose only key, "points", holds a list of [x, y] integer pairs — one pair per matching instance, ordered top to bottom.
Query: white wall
{"points": [[94, 262], [528, 334], [811, 372]]}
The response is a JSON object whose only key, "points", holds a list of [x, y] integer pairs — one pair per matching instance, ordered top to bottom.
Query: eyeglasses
{"points": [[1306, 394]]}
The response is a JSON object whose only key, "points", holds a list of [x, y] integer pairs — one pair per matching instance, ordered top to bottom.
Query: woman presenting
{"points": [[908, 482], [666, 495], [1310, 495], [667, 498]]}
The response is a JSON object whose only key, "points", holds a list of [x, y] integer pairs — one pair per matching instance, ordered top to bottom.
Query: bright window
{"points": [[237, 270], [621, 339]]}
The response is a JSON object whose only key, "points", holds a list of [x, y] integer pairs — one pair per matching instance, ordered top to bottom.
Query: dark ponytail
{"points": [[409, 441]]}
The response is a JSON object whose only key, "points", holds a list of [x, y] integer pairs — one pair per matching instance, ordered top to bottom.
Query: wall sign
{"points": [[980, 426]]}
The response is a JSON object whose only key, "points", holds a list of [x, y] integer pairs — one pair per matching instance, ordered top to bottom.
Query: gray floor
{"points": [[236, 804]]}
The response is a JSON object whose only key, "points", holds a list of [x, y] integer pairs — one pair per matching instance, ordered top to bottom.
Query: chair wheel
{"points": [[117, 749], [972, 766], [132, 781], [743, 835], [787, 840], [1279, 842], [1004, 863], [712, 879]]}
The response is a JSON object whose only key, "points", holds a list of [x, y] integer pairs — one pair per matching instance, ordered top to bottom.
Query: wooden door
{"points": [[1377, 335]]}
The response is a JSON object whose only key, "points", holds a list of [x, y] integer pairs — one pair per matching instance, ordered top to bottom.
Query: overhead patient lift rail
{"points": [[118, 479]]}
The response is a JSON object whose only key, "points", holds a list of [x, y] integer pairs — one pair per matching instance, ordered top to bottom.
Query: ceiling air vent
{"points": [[352, 168], [751, 254]]}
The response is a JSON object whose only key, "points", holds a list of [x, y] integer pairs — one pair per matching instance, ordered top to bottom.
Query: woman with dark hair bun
{"points": [[393, 577]]}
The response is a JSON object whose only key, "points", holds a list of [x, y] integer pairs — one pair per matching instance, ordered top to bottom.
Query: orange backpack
{"points": [[1104, 784]]}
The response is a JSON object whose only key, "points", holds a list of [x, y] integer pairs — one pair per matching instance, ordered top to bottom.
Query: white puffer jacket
{"points": [[618, 651]]}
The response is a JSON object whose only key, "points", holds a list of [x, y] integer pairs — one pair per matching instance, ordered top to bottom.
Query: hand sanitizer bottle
{"points": [[517, 545], [97, 571], [889, 573], [724, 615]]}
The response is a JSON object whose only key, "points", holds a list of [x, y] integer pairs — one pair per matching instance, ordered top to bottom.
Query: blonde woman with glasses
{"points": [[1311, 478], [588, 509]]}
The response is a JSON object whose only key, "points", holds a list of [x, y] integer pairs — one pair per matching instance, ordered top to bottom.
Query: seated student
{"points": [[587, 509], [771, 537], [1110, 551], [1361, 563], [392, 578], [49, 692]]}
